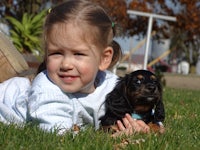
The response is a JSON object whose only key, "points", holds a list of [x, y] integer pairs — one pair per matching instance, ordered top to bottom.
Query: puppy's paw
{"points": [[156, 128], [111, 129]]}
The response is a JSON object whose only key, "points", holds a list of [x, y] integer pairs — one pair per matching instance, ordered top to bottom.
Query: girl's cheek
{"points": [[51, 66]]}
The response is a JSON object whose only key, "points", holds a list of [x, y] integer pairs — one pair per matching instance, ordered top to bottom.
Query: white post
{"points": [[151, 16], [148, 42]]}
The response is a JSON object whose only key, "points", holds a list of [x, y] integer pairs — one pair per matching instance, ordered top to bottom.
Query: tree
{"points": [[16, 8], [116, 10], [188, 25], [186, 29], [185, 32]]}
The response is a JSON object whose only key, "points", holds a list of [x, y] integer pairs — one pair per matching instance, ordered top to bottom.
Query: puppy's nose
{"points": [[151, 87]]}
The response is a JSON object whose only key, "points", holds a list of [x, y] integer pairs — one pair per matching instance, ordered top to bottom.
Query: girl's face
{"points": [[73, 63]]}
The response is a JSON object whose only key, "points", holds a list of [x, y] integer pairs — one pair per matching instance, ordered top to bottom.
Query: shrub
{"points": [[26, 33]]}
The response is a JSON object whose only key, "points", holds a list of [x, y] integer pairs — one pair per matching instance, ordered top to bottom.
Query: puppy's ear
{"points": [[126, 80], [122, 84], [116, 103], [159, 114]]}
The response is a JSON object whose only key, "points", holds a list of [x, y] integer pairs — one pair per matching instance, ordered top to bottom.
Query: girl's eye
{"points": [[55, 53], [79, 54]]}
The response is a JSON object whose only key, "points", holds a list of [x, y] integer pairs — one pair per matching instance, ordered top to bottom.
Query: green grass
{"points": [[182, 131]]}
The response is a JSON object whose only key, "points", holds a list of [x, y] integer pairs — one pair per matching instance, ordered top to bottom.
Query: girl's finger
{"points": [[130, 118], [132, 121], [126, 123], [120, 125], [138, 125], [145, 128]]}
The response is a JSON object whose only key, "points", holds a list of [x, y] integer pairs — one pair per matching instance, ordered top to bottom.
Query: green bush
{"points": [[26, 33]]}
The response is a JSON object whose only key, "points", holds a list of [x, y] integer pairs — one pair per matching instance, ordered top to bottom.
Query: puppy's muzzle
{"points": [[151, 87]]}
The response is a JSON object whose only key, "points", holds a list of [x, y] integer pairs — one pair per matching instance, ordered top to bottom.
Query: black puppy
{"points": [[139, 94]]}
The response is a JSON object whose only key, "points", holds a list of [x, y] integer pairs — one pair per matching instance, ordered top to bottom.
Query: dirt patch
{"points": [[182, 81]]}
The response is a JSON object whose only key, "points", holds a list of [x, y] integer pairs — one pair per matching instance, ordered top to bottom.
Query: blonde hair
{"points": [[84, 13]]}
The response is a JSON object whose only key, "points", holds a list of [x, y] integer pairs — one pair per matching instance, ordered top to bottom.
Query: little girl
{"points": [[71, 87]]}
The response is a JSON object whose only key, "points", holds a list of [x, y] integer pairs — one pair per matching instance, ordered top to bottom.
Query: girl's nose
{"points": [[66, 64]]}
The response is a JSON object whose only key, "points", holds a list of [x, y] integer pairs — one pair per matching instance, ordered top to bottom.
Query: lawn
{"points": [[182, 131]]}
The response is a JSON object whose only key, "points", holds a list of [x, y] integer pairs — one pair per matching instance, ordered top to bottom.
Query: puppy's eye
{"points": [[138, 81]]}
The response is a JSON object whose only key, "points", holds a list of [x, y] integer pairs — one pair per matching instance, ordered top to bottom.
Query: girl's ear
{"points": [[106, 58]]}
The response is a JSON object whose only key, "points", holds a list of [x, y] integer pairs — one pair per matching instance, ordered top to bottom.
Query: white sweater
{"points": [[50, 107]]}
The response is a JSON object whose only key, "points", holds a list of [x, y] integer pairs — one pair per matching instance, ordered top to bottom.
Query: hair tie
{"points": [[49, 10], [113, 24]]}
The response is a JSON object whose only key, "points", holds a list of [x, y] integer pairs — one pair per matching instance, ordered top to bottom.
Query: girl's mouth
{"points": [[68, 79]]}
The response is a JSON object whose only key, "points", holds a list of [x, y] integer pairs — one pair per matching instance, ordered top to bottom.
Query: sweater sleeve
{"points": [[13, 100], [49, 107]]}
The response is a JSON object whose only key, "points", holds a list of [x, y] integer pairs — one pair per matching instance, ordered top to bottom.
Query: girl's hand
{"points": [[131, 126]]}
